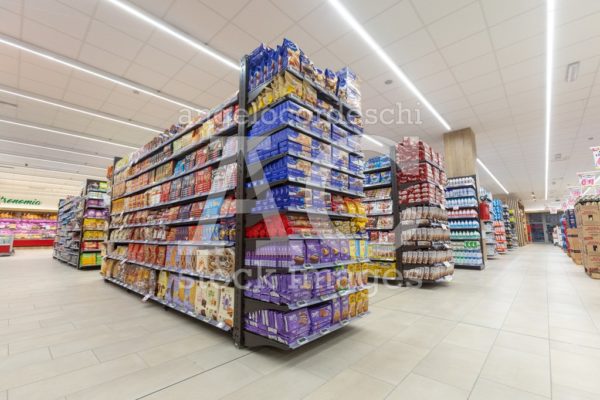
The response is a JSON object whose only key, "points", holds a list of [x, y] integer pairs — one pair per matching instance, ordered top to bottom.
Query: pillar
{"points": [[460, 153]]}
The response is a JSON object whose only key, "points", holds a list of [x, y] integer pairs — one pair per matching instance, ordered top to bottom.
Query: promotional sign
{"points": [[596, 153], [586, 179], [574, 192], [27, 202]]}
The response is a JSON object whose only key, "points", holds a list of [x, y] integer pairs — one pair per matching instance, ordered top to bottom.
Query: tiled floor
{"points": [[525, 328]]}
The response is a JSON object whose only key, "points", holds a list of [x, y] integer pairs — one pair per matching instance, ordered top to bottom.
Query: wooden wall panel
{"points": [[460, 152]]}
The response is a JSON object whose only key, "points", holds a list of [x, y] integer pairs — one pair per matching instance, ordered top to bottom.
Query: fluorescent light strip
{"points": [[550, 14], [349, 18], [157, 23], [88, 70], [79, 110], [41, 128], [373, 140], [55, 149], [53, 161], [56, 171], [492, 175]]}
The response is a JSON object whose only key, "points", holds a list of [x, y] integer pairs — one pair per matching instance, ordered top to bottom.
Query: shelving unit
{"points": [[279, 200], [465, 224], [82, 225], [499, 226], [415, 231], [163, 241]]}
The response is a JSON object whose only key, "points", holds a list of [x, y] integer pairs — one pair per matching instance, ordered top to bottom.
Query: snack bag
{"points": [[201, 302], [226, 305], [352, 305]]}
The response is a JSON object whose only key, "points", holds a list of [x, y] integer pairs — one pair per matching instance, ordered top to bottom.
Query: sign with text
{"points": [[596, 154], [586, 180], [25, 202]]}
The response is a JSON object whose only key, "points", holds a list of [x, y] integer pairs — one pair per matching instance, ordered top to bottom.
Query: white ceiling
{"points": [[480, 63]]}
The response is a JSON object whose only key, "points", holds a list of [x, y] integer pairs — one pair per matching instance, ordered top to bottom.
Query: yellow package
{"points": [[292, 85], [309, 93], [351, 206], [360, 208], [353, 249], [362, 249], [163, 281], [365, 294], [359, 303], [352, 305]]}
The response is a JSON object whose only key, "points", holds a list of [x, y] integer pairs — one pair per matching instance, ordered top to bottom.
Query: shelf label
{"points": [[447, 264], [146, 297]]}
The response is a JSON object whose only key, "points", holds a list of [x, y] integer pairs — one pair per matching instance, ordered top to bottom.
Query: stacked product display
{"points": [[587, 215], [172, 222], [82, 225], [465, 225], [499, 226], [508, 227], [29, 228], [488, 231], [178, 233], [305, 238], [571, 239], [6, 245], [423, 253]]}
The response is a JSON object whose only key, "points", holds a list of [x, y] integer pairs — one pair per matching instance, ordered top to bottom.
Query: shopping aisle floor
{"points": [[526, 328]]}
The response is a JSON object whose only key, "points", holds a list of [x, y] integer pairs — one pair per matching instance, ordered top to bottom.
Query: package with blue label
{"points": [[348, 89], [321, 127], [339, 135], [354, 141], [321, 151], [339, 157], [356, 163], [287, 167], [320, 175], [339, 180], [355, 184], [286, 196]]}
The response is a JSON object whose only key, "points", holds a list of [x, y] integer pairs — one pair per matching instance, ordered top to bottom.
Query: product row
{"points": [[378, 162], [131, 165], [378, 178], [208, 180], [461, 181], [424, 192], [461, 192], [378, 194], [292, 196], [462, 202], [383, 207], [204, 209], [424, 213], [382, 223], [463, 224], [277, 226], [224, 231], [425, 234], [376, 237], [309, 252], [426, 257], [430, 274], [306, 287], [211, 300], [293, 326]]}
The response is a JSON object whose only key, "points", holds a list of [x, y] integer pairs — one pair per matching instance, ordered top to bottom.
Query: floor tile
{"points": [[426, 332], [472, 337], [524, 343], [454, 365], [519, 370], [577, 371], [352, 385], [416, 387], [489, 390]]}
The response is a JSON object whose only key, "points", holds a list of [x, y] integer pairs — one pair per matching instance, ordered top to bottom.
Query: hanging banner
{"points": [[596, 153], [586, 179], [574, 192], [564, 205]]}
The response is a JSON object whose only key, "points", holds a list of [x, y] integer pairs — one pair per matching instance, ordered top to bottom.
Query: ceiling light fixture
{"points": [[550, 11], [349, 18], [157, 23], [90, 70], [572, 72], [28, 96], [64, 133], [372, 140], [56, 149], [53, 161], [492, 175]]}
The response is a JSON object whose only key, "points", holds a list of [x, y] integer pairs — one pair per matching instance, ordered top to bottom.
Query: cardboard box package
{"points": [[589, 214]]}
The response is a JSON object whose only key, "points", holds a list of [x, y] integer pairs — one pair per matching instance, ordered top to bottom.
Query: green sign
{"points": [[25, 202]]}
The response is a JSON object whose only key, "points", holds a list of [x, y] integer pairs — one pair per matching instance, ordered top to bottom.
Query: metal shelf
{"points": [[251, 304]]}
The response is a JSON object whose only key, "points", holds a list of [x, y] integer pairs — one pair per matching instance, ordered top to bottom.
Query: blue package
{"points": [[290, 56], [321, 151], [339, 157], [356, 163], [179, 167], [355, 184]]}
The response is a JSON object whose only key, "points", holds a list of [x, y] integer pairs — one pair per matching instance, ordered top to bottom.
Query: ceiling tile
{"points": [[85, 6], [157, 8], [296, 10], [431, 10], [496, 12], [63, 18], [195, 18], [262, 20], [123, 21], [11, 23], [318, 23], [393, 24], [457, 26], [520, 27], [51, 39], [113, 41], [233, 42], [411, 47], [349, 48], [467, 49], [103, 60], [158, 61], [425, 66], [474, 68], [526, 68], [146, 76], [196, 78], [481, 83]]}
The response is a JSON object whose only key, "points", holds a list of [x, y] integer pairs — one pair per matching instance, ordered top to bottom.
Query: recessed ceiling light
{"points": [[358, 28], [184, 37], [29, 48], [388, 82], [69, 107], [64, 133], [591, 138]]}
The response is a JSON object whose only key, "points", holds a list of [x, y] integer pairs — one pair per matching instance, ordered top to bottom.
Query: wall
{"points": [[46, 202]]}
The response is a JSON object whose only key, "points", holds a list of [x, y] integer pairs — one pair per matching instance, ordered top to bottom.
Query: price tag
{"points": [[455, 208], [444, 227], [123, 261], [447, 264], [146, 297]]}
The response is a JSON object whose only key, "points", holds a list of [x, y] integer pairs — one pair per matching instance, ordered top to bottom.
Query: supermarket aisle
{"points": [[527, 328]]}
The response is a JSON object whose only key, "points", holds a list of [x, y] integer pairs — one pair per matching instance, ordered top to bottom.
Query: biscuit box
{"points": [[589, 214], [320, 317]]}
